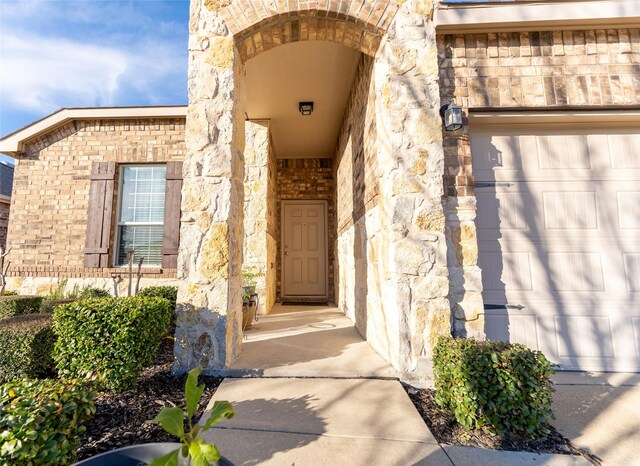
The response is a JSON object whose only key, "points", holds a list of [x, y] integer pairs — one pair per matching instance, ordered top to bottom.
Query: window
{"points": [[141, 213]]}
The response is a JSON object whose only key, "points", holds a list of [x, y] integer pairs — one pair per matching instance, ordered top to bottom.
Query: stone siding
{"points": [[525, 70], [356, 174], [307, 179], [51, 192], [4, 223]]}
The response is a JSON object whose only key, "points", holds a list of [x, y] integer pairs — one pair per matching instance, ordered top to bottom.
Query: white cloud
{"points": [[92, 53], [43, 73]]}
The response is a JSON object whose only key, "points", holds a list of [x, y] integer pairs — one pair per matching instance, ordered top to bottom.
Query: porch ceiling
{"points": [[316, 71]]}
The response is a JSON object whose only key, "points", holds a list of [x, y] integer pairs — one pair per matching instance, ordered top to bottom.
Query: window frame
{"points": [[118, 223]]}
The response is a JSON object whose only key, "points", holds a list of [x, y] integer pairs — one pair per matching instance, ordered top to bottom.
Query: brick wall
{"points": [[592, 68], [307, 179], [51, 189], [4, 222]]}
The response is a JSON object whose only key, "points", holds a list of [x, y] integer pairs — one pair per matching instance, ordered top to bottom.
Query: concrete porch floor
{"points": [[307, 341]]}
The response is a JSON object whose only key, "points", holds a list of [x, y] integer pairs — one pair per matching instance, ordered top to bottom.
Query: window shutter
{"points": [[171, 237], [96, 252]]}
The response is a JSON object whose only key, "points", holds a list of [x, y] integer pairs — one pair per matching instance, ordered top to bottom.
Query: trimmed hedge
{"points": [[94, 293], [170, 293], [16, 305], [47, 306], [113, 338], [26, 344], [494, 384], [40, 421]]}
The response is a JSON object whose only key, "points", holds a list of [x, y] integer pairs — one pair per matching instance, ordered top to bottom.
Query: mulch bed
{"points": [[121, 418], [447, 430]]}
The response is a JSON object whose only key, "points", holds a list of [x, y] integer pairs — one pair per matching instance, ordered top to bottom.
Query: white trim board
{"points": [[547, 15]]}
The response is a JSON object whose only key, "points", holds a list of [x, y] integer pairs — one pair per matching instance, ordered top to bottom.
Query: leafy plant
{"points": [[250, 275], [59, 292], [9, 293], [93, 293], [170, 293], [11, 306], [113, 338], [26, 344], [494, 385], [41, 420], [196, 449]]}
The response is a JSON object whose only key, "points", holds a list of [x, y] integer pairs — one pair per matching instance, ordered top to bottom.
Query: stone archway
{"points": [[408, 259]]}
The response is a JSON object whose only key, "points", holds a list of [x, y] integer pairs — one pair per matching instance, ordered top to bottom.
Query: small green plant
{"points": [[250, 275], [59, 292], [9, 293], [87, 293], [26, 344], [496, 385], [41, 420], [196, 449]]}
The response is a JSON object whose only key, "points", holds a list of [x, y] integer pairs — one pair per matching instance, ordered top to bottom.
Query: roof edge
{"points": [[538, 15], [13, 143]]}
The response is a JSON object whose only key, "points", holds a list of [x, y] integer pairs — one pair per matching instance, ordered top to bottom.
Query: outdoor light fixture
{"points": [[306, 108], [452, 115]]}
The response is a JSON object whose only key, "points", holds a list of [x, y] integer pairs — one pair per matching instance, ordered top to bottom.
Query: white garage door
{"points": [[559, 234]]}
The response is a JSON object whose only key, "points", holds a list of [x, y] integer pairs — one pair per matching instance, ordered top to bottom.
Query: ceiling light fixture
{"points": [[306, 108]]}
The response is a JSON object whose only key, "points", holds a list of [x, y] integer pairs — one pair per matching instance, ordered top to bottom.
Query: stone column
{"points": [[256, 157], [411, 187], [465, 280], [209, 318]]}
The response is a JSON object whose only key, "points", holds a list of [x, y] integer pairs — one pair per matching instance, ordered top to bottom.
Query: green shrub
{"points": [[9, 293], [94, 293], [170, 293], [48, 305], [11, 306], [113, 338], [26, 344], [494, 384], [40, 421]]}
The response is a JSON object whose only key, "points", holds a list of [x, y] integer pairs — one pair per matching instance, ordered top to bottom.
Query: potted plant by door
{"points": [[250, 277], [192, 450]]}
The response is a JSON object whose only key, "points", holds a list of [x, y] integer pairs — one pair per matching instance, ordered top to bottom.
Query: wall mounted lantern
{"points": [[306, 108], [452, 116]]}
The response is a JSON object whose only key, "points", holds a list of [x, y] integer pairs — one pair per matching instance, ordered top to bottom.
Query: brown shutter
{"points": [[171, 237], [96, 251]]}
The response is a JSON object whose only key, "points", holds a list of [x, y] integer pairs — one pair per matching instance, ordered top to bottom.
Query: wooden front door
{"points": [[304, 248]]}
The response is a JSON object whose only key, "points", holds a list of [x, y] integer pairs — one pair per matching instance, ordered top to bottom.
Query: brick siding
{"points": [[533, 70], [51, 189], [4, 222]]}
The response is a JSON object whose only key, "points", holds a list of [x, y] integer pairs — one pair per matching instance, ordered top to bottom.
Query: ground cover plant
{"points": [[111, 338], [26, 344], [41, 420]]}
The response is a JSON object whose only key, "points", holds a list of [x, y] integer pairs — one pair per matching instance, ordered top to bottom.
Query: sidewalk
{"points": [[322, 421]]}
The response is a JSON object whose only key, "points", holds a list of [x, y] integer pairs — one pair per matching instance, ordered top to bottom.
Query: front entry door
{"points": [[304, 248]]}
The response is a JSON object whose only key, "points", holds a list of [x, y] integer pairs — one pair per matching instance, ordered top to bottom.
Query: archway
{"points": [[396, 228]]}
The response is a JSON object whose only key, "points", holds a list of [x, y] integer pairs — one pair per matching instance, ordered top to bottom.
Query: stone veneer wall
{"points": [[530, 70], [256, 159], [410, 162], [356, 174], [306, 179], [51, 193], [5, 207], [273, 223]]}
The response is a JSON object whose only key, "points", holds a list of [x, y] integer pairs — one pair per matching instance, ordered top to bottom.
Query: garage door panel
{"points": [[539, 156], [559, 233]]}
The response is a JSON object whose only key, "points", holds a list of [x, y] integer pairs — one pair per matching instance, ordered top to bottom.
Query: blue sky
{"points": [[87, 53]]}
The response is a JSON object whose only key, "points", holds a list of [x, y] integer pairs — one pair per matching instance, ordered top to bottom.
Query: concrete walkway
{"points": [[307, 341], [315, 395], [600, 413]]}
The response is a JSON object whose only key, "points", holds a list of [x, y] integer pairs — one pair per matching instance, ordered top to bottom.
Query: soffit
{"points": [[277, 80]]}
